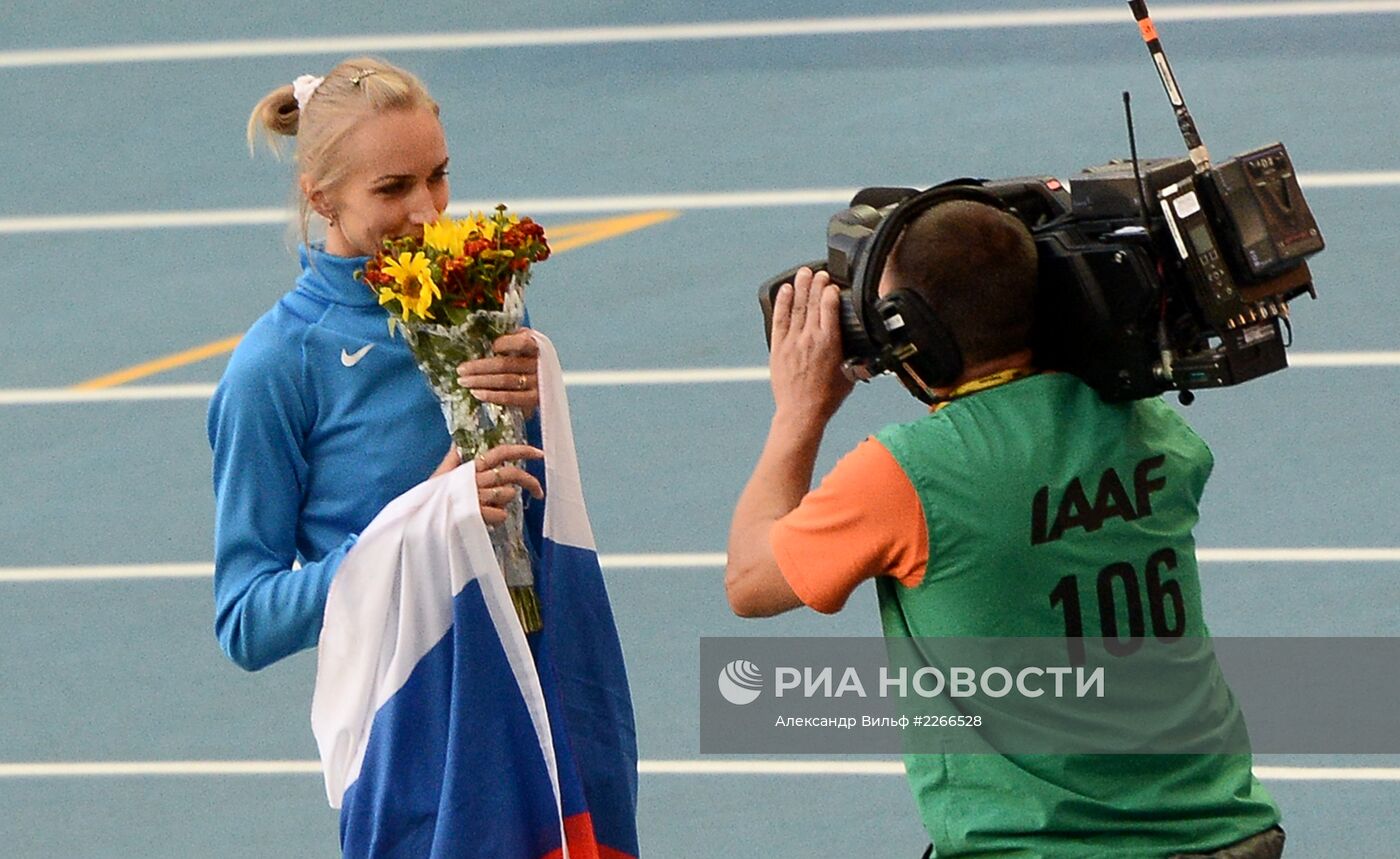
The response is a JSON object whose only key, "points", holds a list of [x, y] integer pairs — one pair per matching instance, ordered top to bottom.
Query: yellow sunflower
{"points": [[483, 226], [447, 235], [413, 277]]}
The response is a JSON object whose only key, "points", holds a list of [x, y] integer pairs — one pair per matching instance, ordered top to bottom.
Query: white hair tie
{"points": [[304, 87]]}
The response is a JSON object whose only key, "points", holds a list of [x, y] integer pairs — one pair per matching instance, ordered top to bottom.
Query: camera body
{"points": [[1153, 276]]}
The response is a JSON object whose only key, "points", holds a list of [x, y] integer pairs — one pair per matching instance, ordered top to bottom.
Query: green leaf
{"points": [[457, 315]]}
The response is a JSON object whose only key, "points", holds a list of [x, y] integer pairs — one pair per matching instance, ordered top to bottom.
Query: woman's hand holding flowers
{"points": [[508, 378], [498, 481]]}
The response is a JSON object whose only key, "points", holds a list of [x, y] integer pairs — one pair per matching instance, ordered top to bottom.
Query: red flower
{"points": [[373, 276]]}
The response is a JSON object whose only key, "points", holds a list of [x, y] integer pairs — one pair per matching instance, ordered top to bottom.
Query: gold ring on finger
{"points": [[524, 381]]}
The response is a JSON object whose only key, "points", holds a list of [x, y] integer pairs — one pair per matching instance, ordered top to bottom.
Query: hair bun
{"points": [[276, 116]]}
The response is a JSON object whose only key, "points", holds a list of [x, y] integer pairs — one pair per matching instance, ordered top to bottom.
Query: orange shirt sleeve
{"points": [[864, 520]]}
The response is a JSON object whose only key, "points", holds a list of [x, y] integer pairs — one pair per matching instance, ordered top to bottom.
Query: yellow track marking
{"points": [[578, 235], [562, 238], [160, 365]]}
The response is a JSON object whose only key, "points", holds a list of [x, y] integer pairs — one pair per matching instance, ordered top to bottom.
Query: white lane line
{"points": [[683, 32], [1350, 179], [774, 198], [534, 206], [100, 221], [104, 221], [1344, 359], [678, 376], [573, 379], [583, 379], [127, 393], [1299, 556], [663, 560], [677, 561], [204, 570], [106, 572], [744, 766], [894, 768], [88, 769], [128, 769], [1328, 773]]}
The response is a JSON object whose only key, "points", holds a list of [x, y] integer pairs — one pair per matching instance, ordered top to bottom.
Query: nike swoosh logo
{"points": [[350, 359]]}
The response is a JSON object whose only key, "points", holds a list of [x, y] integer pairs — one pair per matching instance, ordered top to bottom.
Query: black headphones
{"points": [[909, 338]]}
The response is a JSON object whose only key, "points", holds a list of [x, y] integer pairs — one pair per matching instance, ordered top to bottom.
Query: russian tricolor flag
{"points": [[444, 730]]}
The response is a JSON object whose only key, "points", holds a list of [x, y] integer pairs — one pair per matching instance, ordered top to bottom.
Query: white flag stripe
{"points": [[699, 31], [102, 221], [583, 379], [565, 520], [683, 560], [94, 769]]}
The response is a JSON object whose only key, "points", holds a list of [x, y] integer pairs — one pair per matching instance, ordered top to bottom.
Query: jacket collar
{"points": [[332, 278]]}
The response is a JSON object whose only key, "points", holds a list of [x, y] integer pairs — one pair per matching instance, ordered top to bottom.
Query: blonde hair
{"points": [[355, 88]]}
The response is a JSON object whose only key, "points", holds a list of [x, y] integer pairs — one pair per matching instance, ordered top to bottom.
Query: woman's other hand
{"points": [[508, 378], [498, 481]]}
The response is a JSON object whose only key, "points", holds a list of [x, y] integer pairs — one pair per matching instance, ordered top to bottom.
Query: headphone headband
{"points": [[865, 279], [910, 339]]}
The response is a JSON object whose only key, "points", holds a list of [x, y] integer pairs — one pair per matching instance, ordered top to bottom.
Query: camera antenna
{"points": [[1199, 156], [1137, 171], [1164, 367]]}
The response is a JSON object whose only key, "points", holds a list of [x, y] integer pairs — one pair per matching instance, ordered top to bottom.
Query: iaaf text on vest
{"points": [[929, 682]]}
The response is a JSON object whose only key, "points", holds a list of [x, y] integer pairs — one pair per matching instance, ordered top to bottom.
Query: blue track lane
{"points": [[130, 670]]}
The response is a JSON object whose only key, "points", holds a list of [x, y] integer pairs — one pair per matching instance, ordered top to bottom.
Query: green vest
{"points": [[1035, 493]]}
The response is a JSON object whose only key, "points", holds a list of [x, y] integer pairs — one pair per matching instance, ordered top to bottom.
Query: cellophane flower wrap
{"points": [[451, 294]]}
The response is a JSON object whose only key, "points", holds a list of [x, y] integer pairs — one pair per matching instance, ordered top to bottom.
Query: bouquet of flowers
{"points": [[451, 294]]}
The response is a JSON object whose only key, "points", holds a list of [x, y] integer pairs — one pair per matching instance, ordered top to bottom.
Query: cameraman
{"points": [[942, 513]]}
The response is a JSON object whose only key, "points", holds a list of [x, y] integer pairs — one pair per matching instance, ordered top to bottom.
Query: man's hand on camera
{"points": [[808, 385], [808, 388]]}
